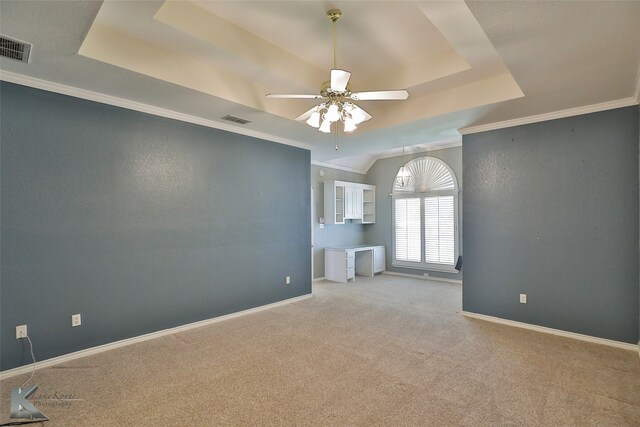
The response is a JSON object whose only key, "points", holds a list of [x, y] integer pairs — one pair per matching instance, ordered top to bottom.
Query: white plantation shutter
{"points": [[425, 215], [407, 229], [439, 230]]}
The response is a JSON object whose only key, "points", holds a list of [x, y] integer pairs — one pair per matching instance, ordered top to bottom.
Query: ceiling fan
{"points": [[338, 97]]}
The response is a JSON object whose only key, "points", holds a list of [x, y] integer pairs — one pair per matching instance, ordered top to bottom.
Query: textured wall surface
{"points": [[383, 174], [551, 210], [139, 223], [336, 234]]}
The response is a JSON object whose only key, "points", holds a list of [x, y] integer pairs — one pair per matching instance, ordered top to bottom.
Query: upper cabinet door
{"points": [[349, 200], [353, 203]]}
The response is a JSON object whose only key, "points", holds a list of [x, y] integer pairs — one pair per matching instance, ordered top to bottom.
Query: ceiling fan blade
{"points": [[339, 80], [380, 95], [292, 96], [304, 116]]}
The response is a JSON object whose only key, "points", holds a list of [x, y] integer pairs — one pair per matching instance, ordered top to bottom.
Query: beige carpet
{"points": [[381, 351]]}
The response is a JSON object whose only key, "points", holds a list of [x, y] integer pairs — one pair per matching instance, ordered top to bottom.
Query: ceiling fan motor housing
{"points": [[334, 15]]}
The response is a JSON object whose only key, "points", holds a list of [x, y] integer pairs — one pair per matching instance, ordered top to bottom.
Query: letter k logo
{"points": [[21, 407]]}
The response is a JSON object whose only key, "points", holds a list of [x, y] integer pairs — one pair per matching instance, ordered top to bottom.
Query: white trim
{"points": [[33, 82], [603, 106], [438, 145], [416, 150], [338, 167], [423, 267], [415, 276], [319, 279], [552, 331], [117, 344]]}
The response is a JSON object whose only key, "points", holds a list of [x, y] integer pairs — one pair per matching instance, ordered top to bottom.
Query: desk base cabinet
{"points": [[342, 264]]}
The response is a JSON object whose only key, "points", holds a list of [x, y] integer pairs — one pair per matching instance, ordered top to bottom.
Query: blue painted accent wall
{"points": [[551, 210], [139, 223]]}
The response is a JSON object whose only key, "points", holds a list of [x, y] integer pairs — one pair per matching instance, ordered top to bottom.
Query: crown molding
{"points": [[102, 98], [594, 108], [438, 145], [338, 167]]}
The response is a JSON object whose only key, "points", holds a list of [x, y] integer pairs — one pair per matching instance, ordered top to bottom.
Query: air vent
{"points": [[14, 49], [236, 119]]}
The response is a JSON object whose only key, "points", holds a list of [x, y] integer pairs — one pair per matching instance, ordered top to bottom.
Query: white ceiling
{"points": [[465, 65]]}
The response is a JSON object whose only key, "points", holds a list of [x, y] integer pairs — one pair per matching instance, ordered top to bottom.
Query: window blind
{"points": [[407, 229], [439, 230]]}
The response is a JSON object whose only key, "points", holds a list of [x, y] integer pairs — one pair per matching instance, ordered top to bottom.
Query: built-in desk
{"points": [[341, 264]]}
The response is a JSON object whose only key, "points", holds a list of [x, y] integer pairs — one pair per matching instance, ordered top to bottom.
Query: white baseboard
{"points": [[432, 278], [318, 279], [559, 332], [117, 344]]}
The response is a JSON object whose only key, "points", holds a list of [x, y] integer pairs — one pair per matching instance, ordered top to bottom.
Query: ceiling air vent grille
{"points": [[14, 49], [236, 119]]}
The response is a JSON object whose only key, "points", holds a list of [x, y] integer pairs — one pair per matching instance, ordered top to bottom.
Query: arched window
{"points": [[425, 215]]}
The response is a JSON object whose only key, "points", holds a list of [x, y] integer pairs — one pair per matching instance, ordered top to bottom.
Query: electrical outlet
{"points": [[287, 280], [523, 298], [76, 320], [21, 331]]}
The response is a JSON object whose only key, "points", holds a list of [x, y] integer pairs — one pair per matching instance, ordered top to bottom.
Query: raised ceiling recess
{"points": [[240, 51]]}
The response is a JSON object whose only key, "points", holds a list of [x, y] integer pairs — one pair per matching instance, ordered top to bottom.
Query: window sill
{"points": [[419, 266]]}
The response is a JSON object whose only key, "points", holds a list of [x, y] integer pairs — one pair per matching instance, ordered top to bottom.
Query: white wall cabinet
{"points": [[349, 201], [353, 202], [334, 203], [369, 204]]}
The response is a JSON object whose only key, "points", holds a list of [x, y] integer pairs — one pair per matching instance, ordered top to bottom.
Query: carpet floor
{"points": [[379, 351]]}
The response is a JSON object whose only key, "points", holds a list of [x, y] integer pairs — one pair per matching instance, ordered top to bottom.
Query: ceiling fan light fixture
{"points": [[338, 96], [333, 113], [358, 115], [314, 119], [349, 125], [325, 126]]}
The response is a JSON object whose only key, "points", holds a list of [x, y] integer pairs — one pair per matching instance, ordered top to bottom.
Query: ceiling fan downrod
{"points": [[334, 15]]}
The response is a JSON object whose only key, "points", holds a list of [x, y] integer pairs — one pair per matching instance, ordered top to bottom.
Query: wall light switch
{"points": [[287, 280], [523, 298], [76, 320]]}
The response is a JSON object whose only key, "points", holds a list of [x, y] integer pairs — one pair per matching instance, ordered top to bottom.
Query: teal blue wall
{"points": [[551, 210], [139, 223]]}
